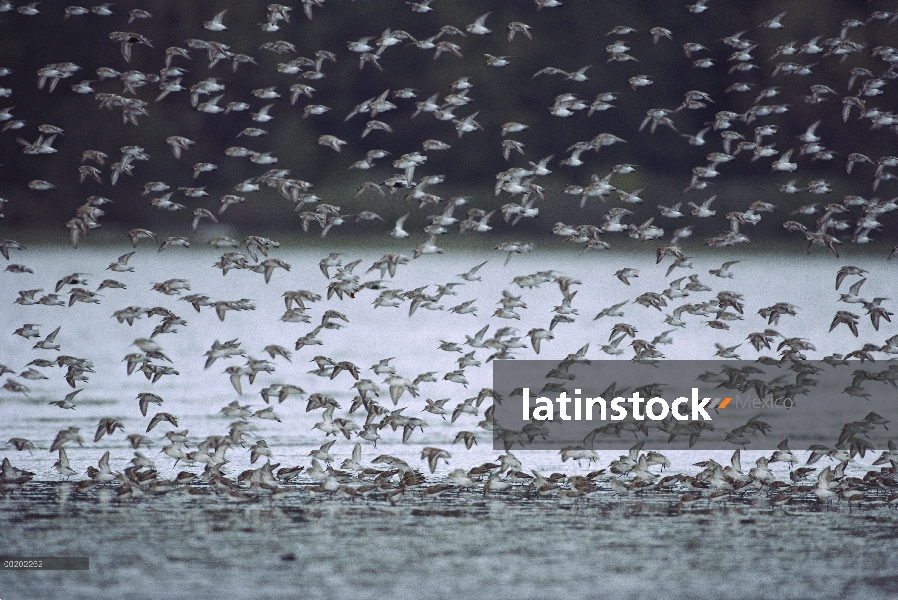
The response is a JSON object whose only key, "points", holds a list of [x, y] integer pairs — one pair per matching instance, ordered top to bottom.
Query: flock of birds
{"points": [[746, 137]]}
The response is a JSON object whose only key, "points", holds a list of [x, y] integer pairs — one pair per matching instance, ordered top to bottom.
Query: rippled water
{"points": [[168, 547], [449, 547]]}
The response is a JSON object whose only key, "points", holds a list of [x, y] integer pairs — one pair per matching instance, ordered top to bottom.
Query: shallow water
{"points": [[449, 547], [503, 548]]}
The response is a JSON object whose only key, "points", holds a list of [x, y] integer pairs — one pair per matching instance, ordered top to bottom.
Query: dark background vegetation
{"points": [[567, 37]]}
